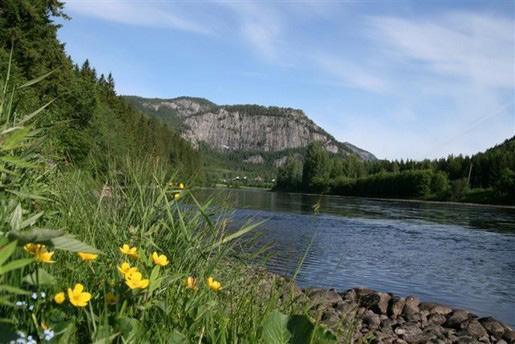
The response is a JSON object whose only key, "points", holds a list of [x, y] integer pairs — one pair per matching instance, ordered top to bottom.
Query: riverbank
{"points": [[377, 317]]}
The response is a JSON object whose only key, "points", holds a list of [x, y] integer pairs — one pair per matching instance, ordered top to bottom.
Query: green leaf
{"points": [[15, 138], [18, 162], [16, 217], [31, 220], [37, 235], [68, 242], [6, 251], [15, 264], [40, 276], [155, 281], [13, 290], [130, 328], [275, 329], [178, 338]]}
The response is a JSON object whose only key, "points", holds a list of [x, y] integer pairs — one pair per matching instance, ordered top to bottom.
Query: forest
{"points": [[487, 177]]}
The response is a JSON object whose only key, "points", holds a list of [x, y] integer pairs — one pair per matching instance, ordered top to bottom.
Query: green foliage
{"points": [[316, 169], [289, 177], [485, 177]]}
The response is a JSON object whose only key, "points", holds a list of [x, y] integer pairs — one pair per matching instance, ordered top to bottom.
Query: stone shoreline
{"points": [[390, 319]]}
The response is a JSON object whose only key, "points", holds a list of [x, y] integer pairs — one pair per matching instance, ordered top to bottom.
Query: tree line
{"points": [[487, 177]]}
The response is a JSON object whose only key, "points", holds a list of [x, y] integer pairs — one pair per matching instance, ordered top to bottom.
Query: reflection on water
{"points": [[460, 255]]}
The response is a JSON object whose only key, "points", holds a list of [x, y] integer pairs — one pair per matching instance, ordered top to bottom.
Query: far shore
{"points": [[468, 204]]}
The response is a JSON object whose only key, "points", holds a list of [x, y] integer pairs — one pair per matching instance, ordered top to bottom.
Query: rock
{"points": [[350, 295], [326, 297], [412, 301], [377, 302], [395, 306], [346, 308], [435, 308], [411, 313], [456, 318], [437, 319], [371, 320], [493, 327], [475, 329], [408, 330], [509, 336], [421, 338], [465, 340], [501, 342]]}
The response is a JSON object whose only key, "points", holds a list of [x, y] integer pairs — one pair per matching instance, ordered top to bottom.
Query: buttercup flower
{"points": [[181, 186], [177, 196], [33, 248], [130, 251], [44, 256], [87, 256], [160, 260], [125, 268], [134, 280], [191, 282], [213, 284], [77, 296], [59, 298], [111, 298]]}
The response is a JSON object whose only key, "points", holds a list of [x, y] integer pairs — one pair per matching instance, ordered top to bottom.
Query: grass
{"points": [[69, 210]]}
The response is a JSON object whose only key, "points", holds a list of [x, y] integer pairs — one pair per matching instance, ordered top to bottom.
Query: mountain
{"points": [[242, 128]]}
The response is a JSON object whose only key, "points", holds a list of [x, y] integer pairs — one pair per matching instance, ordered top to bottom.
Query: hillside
{"points": [[243, 128]]}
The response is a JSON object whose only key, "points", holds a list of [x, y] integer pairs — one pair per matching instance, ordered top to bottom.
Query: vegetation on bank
{"points": [[487, 177]]}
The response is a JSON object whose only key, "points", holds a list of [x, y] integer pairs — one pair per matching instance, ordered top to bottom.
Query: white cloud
{"points": [[140, 13], [260, 26], [476, 48], [349, 74]]}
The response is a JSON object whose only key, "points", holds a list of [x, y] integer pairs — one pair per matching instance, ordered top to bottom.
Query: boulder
{"points": [[377, 302], [395, 306], [435, 308], [456, 318], [437, 319], [371, 320], [493, 327], [475, 329], [408, 331], [509, 336]]}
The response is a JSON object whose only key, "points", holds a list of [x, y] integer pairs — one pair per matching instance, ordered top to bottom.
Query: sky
{"points": [[401, 79]]}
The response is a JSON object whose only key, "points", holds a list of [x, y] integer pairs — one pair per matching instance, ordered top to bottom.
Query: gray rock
{"points": [[350, 295], [327, 297], [412, 301], [377, 302], [395, 306], [435, 308], [456, 318], [437, 319], [371, 320], [493, 327], [475, 329], [408, 330], [509, 336], [466, 340], [501, 341]]}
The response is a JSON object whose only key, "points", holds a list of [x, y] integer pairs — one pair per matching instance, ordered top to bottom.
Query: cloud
{"points": [[147, 13], [260, 26], [473, 47], [349, 74]]}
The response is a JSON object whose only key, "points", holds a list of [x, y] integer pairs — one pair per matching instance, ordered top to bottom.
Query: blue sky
{"points": [[402, 79]]}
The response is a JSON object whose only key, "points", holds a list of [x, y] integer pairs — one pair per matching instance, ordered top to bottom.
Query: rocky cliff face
{"points": [[245, 127]]}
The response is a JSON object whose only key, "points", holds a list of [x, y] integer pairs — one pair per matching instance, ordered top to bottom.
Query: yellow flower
{"points": [[181, 186], [177, 196], [33, 248], [130, 251], [44, 256], [87, 256], [161, 260], [125, 268], [135, 280], [191, 282], [213, 284], [77, 296], [59, 298], [111, 299]]}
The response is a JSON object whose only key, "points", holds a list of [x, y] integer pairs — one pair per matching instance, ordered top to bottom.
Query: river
{"points": [[460, 255]]}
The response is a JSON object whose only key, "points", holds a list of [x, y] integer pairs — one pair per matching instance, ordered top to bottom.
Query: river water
{"points": [[459, 255]]}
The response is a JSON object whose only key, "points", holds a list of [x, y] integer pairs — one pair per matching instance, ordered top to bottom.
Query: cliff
{"points": [[251, 128]]}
